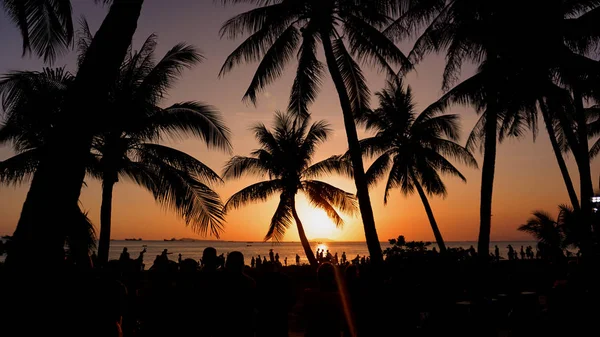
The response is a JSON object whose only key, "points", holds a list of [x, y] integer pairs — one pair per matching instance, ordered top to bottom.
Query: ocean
{"points": [[193, 249]]}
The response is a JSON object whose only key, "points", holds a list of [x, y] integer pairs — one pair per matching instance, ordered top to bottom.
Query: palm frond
{"points": [[251, 21], [265, 24], [45, 25], [84, 40], [371, 46], [273, 62], [163, 76], [308, 76], [354, 80], [196, 119], [317, 134], [477, 134], [265, 138], [450, 149], [164, 155], [340, 164], [238, 166], [20, 167], [379, 167], [258, 192], [340, 199], [281, 220]]}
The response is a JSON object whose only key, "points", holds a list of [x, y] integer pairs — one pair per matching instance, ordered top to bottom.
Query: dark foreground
{"points": [[412, 298]]}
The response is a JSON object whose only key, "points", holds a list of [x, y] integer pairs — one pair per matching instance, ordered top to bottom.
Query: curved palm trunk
{"points": [[559, 158], [108, 183], [487, 184], [55, 188], [362, 189], [436, 231], [310, 255]]}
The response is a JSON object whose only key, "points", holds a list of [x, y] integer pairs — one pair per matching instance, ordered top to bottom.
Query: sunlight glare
{"points": [[318, 225], [322, 247]]}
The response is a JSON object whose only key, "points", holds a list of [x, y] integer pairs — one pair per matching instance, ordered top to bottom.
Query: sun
{"points": [[318, 225]]}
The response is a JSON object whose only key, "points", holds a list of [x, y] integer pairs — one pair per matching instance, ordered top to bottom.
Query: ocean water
{"points": [[194, 249]]}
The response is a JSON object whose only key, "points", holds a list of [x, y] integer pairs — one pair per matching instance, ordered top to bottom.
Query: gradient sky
{"points": [[527, 177]]}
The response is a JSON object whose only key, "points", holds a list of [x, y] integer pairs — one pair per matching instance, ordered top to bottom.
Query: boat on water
{"points": [[133, 239]]}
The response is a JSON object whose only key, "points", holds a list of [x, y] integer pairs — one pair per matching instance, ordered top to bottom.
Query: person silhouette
{"points": [[497, 253], [522, 253], [124, 255], [271, 255], [209, 259], [297, 259], [285, 261], [252, 262], [258, 262], [275, 297], [237, 299], [322, 306]]}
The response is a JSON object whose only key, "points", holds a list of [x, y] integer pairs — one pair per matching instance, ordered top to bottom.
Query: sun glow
{"points": [[318, 225]]}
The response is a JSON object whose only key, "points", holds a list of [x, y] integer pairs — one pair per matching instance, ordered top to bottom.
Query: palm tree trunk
{"points": [[558, 153], [585, 174], [108, 183], [487, 184], [55, 188], [362, 189], [436, 231], [310, 255]]}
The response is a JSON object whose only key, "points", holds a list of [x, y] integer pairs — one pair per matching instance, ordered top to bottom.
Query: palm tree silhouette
{"points": [[45, 25], [281, 30], [487, 34], [539, 46], [126, 147], [413, 148], [285, 157], [56, 184], [553, 235]]}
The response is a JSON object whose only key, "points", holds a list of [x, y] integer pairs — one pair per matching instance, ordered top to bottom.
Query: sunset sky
{"points": [[527, 177]]}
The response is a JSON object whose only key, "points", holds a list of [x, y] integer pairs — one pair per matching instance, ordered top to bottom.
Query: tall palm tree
{"points": [[45, 25], [282, 30], [495, 36], [126, 148], [413, 148], [285, 157], [56, 184]]}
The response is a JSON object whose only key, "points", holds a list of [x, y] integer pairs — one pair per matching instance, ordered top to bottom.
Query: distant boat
{"points": [[134, 239]]}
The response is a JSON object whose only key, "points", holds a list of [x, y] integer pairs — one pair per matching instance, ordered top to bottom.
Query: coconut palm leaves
{"points": [[126, 144], [285, 156]]}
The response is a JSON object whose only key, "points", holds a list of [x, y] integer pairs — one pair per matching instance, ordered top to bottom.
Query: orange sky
{"points": [[527, 177]]}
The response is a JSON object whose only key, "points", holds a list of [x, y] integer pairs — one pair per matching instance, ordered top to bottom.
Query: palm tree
{"points": [[45, 25], [282, 30], [506, 90], [126, 147], [413, 148], [285, 157], [56, 184], [553, 235]]}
